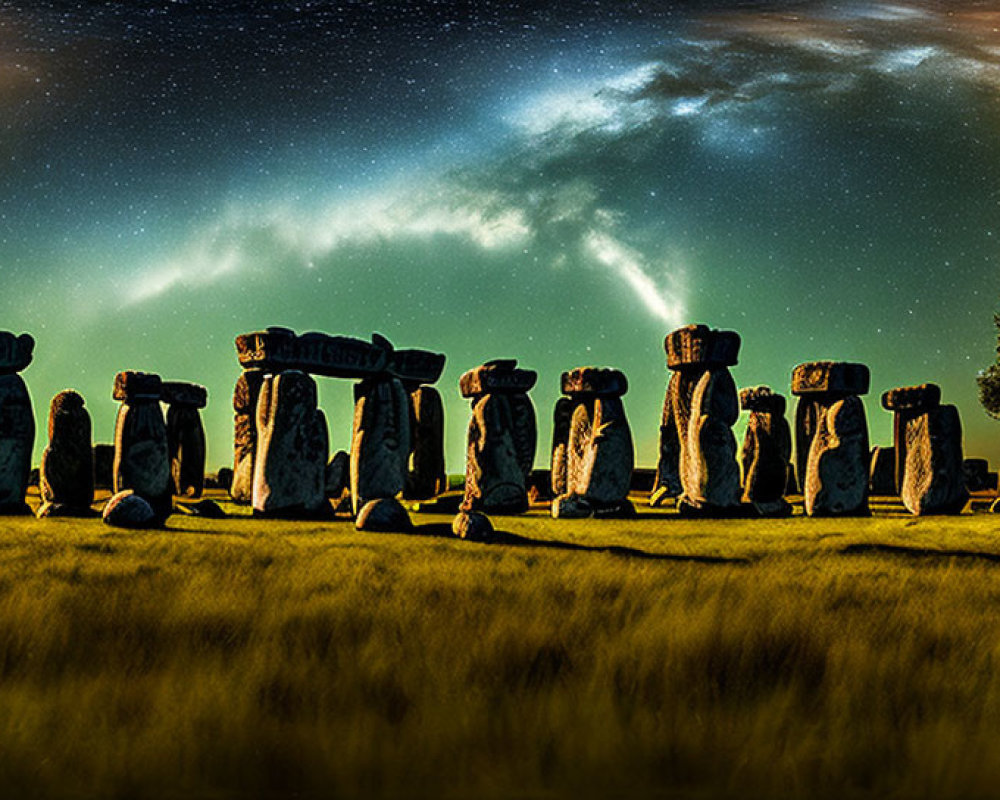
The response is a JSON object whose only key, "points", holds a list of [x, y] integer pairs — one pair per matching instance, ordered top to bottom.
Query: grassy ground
{"points": [[665, 657]]}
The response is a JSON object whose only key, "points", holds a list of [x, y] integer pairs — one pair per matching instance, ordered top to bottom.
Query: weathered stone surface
{"points": [[701, 347], [272, 349], [15, 352], [341, 356], [415, 366], [500, 376], [830, 378], [594, 380], [131, 386], [179, 393], [245, 396], [912, 398], [762, 399], [561, 420], [525, 431], [17, 436], [380, 442], [292, 445], [186, 447], [767, 452], [599, 455], [142, 460], [104, 466], [976, 472], [709, 473], [882, 473], [338, 474], [426, 475], [494, 475], [66, 476], [836, 482], [933, 482], [667, 483], [571, 506], [126, 509], [383, 515], [472, 526]]}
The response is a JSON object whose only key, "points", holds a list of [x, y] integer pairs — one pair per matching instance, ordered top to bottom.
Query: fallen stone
{"points": [[131, 386], [882, 474], [126, 509], [384, 515]]}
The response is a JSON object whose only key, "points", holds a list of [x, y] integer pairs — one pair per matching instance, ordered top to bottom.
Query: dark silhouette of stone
{"points": [[272, 350], [15, 352], [245, 396], [829, 404], [17, 423], [185, 436], [140, 439], [501, 439], [380, 443], [292, 446], [599, 451], [767, 452], [142, 461], [104, 466], [668, 467], [837, 469], [976, 472], [338, 474], [882, 474], [66, 475], [426, 475], [224, 478], [933, 482], [792, 486], [126, 509], [208, 509], [383, 515], [473, 526]]}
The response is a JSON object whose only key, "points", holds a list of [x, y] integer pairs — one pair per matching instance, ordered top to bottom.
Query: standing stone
{"points": [[245, 396], [705, 406], [562, 417], [17, 423], [929, 435], [185, 436], [831, 437], [501, 439], [380, 442], [292, 446], [767, 451], [599, 453], [142, 461], [104, 466], [976, 471], [338, 474], [882, 474], [426, 475], [66, 476], [667, 483]]}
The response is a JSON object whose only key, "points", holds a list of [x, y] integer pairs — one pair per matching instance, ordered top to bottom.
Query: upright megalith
{"points": [[245, 395], [704, 407], [562, 421], [17, 422], [185, 435], [502, 437], [831, 437], [380, 441], [928, 445], [599, 452], [767, 452], [142, 459], [882, 472], [66, 475], [426, 476], [289, 477], [667, 482]]}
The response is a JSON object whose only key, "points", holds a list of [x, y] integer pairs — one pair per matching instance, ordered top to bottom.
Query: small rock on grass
{"points": [[128, 510], [472, 526]]}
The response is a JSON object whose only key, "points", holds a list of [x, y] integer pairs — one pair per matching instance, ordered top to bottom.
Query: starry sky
{"points": [[560, 183]]}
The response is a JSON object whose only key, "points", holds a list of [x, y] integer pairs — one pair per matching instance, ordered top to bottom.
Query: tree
{"points": [[989, 381]]}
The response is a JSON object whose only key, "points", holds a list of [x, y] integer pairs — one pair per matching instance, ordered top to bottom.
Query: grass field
{"points": [[654, 657]]}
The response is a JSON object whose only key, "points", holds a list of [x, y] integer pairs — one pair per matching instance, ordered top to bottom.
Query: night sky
{"points": [[563, 186]]}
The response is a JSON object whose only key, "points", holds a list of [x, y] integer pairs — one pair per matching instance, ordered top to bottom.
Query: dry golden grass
{"points": [[250, 659]]}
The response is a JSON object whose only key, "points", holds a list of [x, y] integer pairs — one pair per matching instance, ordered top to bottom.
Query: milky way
{"points": [[495, 179]]}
